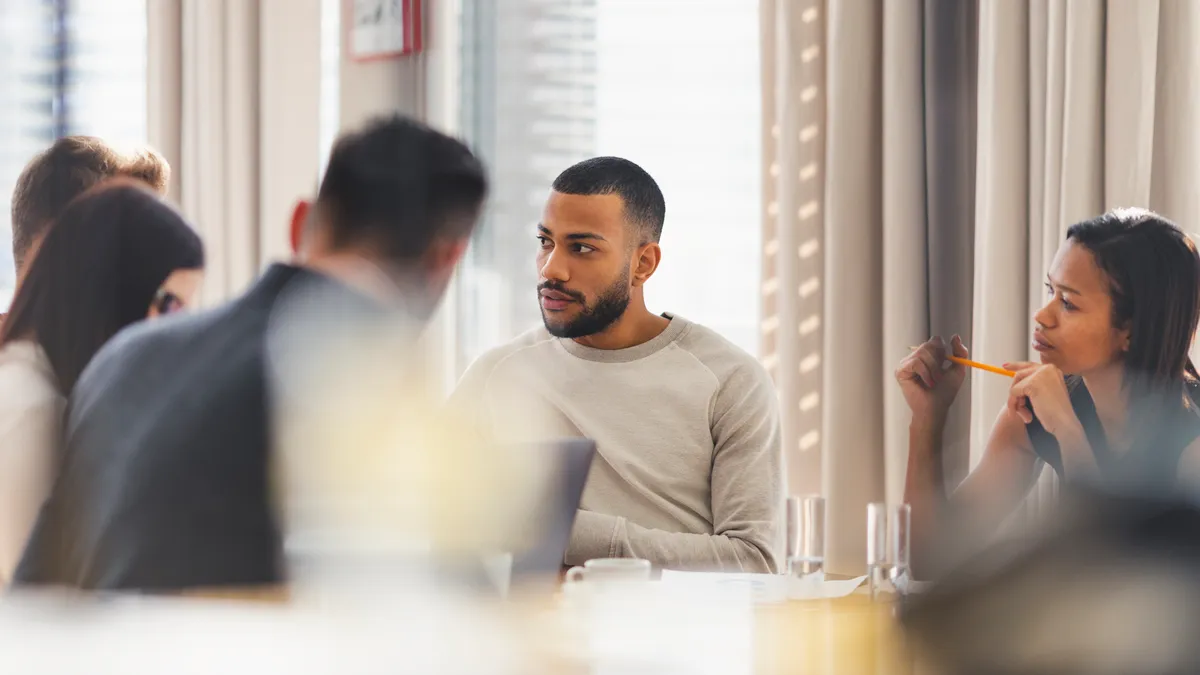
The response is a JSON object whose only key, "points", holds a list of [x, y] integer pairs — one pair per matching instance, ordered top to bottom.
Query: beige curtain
{"points": [[234, 89], [956, 140], [794, 150]]}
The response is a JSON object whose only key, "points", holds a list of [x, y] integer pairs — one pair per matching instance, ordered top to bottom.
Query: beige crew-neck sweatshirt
{"points": [[689, 471]]}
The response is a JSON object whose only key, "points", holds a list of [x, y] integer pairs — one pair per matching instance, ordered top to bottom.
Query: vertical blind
{"points": [[528, 105]]}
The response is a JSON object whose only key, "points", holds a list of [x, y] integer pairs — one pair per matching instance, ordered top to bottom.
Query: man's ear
{"points": [[299, 222], [444, 255], [648, 258]]}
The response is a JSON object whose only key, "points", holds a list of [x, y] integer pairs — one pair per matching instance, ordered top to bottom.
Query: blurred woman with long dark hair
{"points": [[118, 254], [1113, 400]]}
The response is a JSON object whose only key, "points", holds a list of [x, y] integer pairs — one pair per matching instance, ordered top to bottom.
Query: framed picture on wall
{"points": [[381, 29]]}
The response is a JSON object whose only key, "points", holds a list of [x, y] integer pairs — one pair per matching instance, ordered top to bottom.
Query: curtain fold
{"points": [[950, 47], [1131, 61], [1176, 104], [234, 106], [961, 140], [218, 165], [1002, 210], [904, 216], [852, 470]]}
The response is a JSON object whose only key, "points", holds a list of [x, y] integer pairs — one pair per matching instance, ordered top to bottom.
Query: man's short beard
{"points": [[609, 307]]}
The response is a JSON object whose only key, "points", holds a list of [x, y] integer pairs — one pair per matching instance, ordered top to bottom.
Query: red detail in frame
{"points": [[383, 29], [414, 36]]}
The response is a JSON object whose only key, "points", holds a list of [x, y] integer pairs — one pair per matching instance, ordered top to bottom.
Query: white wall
{"points": [[374, 87], [290, 121]]}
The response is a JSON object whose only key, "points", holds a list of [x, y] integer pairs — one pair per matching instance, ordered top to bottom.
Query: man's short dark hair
{"points": [[67, 169], [398, 186], [644, 203]]}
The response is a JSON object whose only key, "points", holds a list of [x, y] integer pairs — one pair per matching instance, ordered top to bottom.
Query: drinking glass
{"points": [[806, 535], [888, 542]]}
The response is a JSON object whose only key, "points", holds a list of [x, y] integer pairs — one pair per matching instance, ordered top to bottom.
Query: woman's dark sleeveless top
{"points": [[1154, 457]]}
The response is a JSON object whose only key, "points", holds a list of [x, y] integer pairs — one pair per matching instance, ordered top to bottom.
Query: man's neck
{"points": [[357, 272], [636, 326]]}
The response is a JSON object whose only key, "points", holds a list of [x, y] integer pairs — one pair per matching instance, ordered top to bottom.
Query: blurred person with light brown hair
{"points": [[69, 167], [116, 255], [179, 414]]}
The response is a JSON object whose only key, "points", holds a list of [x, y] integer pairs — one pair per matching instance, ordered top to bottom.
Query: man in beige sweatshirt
{"points": [[689, 467]]}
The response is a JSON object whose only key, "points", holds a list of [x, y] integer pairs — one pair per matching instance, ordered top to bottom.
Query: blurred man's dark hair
{"points": [[399, 208]]}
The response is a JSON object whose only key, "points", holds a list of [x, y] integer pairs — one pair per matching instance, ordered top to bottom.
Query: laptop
{"points": [[537, 567]]}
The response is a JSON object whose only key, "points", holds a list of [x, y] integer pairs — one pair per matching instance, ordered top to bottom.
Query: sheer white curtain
{"points": [[235, 107], [959, 140]]}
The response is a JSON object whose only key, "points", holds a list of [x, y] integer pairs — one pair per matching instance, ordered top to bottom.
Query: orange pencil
{"points": [[975, 364]]}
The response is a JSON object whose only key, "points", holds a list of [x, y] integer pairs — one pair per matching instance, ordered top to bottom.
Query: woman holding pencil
{"points": [[1113, 398]]}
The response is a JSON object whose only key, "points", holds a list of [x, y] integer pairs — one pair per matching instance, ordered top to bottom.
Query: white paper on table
{"points": [[909, 586], [817, 587], [770, 588], [644, 627]]}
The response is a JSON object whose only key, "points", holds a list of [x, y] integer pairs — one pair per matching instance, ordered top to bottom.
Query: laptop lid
{"points": [[541, 562]]}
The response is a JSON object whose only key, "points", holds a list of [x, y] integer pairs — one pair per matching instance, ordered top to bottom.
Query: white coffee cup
{"points": [[603, 570]]}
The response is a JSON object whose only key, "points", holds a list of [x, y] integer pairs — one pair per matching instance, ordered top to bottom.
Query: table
{"points": [[844, 635], [850, 635]]}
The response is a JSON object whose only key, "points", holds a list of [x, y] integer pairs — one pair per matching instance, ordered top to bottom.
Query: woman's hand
{"points": [[929, 381], [1041, 390]]}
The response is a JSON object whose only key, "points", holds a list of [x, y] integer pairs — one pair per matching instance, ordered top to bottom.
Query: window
{"points": [[331, 64], [66, 67], [104, 70], [28, 74], [673, 86]]}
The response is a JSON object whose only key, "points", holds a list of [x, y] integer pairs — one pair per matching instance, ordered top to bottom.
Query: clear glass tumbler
{"points": [[806, 535], [888, 556]]}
